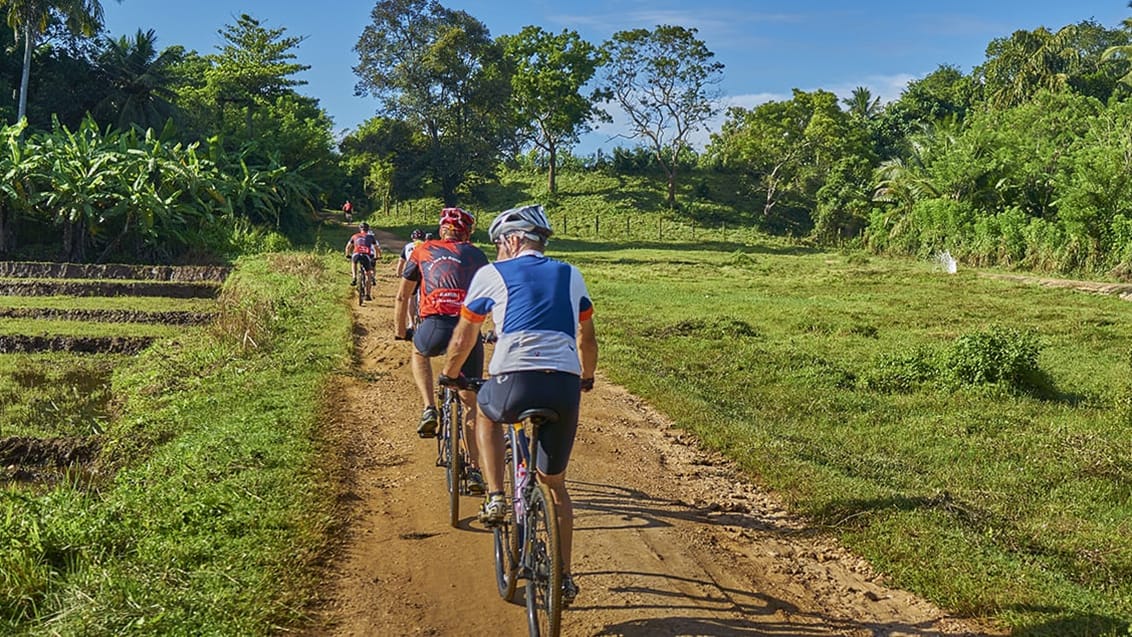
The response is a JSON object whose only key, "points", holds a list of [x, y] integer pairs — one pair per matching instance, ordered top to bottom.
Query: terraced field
{"points": [[63, 328]]}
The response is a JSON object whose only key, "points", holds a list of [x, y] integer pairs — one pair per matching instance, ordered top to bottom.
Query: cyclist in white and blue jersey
{"points": [[545, 357]]}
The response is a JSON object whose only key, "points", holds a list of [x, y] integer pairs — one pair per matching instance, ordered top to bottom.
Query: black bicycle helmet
{"points": [[417, 235]]}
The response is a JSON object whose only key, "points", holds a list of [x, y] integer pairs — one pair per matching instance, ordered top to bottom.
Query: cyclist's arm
{"points": [[349, 246], [399, 319], [464, 338], [587, 347]]}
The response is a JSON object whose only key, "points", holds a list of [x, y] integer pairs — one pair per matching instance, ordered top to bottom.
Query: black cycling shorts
{"points": [[365, 260], [431, 339], [502, 398]]}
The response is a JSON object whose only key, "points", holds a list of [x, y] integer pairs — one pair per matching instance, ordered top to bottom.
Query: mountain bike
{"points": [[450, 452], [527, 544]]}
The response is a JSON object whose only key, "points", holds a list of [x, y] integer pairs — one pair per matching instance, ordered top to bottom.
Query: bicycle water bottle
{"points": [[519, 486]]}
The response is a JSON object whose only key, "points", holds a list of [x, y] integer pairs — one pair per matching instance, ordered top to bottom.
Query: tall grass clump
{"points": [[211, 506]]}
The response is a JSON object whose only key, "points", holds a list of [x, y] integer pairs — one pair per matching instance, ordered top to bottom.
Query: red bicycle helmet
{"points": [[460, 220]]}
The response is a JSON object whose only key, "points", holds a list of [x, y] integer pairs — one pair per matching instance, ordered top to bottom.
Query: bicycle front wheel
{"points": [[451, 426], [544, 565]]}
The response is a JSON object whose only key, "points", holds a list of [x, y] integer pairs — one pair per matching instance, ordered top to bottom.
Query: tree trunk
{"points": [[25, 75], [552, 173], [672, 186]]}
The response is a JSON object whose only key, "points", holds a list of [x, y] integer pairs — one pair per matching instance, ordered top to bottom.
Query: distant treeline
{"points": [[1024, 161]]}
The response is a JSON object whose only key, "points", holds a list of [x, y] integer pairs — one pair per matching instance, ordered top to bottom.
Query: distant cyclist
{"points": [[416, 237], [363, 250], [442, 268], [545, 357]]}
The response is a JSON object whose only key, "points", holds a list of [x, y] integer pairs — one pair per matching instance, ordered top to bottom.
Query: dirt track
{"points": [[669, 541]]}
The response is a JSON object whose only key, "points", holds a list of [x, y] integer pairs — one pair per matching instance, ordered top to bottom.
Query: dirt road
{"points": [[670, 540]]}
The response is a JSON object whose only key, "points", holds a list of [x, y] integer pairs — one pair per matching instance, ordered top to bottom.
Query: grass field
{"points": [[44, 395], [993, 501]]}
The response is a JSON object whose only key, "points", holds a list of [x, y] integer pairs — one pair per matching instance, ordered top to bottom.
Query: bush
{"points": [[1000, 355]]}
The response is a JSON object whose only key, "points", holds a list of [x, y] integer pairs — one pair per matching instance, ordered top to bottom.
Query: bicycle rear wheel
{"points": [[362, 287], [450, 423], [508, 535], [544, 564]]}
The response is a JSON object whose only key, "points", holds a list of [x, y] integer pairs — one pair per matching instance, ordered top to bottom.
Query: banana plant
{"points": [[19, 163]]}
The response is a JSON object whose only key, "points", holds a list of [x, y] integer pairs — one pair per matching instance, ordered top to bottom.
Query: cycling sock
{"points": [[495, 493]]}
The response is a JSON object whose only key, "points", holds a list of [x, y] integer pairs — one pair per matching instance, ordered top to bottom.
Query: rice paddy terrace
{"points": [[63, 329]]}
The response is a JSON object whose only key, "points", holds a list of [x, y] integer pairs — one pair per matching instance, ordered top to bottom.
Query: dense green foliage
{"points": [[134, 197], [210, 507]]}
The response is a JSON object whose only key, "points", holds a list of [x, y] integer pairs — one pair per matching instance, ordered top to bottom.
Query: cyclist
{"points": [[416, 237], [362, 249], [442, 269], [545, 357]]}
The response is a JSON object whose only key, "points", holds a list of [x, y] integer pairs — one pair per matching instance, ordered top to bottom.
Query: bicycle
{"points": [[364, 284], [527, 544]]}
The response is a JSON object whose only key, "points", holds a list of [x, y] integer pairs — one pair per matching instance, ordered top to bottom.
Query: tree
{"points": [[31, 18], [1122, 52], [1017, 67], [253, 68], [439, 71], [549, 72], [665, 81], [140, 82], [862, 104], [788, 148], [385, 154]]}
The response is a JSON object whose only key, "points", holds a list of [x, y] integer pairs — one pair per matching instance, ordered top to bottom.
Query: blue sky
{"points": [[768, 48]]}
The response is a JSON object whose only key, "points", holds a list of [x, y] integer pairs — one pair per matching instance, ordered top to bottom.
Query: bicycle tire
{"points": [[362, 288], [453, 472], [506, 536], [543, 562]]}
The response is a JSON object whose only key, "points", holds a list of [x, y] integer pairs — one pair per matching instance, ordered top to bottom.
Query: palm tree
{"points": [[30, 18], [1123, 52], [140, 81], [862, 104]]}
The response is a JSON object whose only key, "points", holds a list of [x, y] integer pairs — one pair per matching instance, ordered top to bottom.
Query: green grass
{"points": [[137, 303], [53, 327], [54, 394], [990, 501], [216, 508]]}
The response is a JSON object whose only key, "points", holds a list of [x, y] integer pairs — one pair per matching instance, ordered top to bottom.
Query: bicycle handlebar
{"points": [[461, 381]]}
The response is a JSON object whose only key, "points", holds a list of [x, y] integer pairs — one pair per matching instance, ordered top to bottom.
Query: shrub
{"points": [[999, 355]]}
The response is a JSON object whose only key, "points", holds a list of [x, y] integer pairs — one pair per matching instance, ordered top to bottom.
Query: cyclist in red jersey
{"points": [[362, 249], [442, 268]]}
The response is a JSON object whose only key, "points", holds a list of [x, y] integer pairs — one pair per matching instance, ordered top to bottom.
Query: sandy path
{"points": [[670, 540]]}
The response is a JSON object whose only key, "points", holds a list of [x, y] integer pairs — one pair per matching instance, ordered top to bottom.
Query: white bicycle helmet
{"points": [[529, 220]]}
